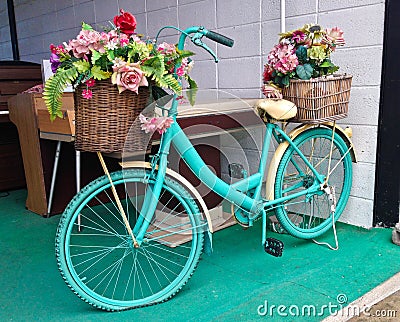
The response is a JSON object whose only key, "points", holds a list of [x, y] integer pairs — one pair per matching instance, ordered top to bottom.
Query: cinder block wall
{"points": [[254, 24], [5, 38]]}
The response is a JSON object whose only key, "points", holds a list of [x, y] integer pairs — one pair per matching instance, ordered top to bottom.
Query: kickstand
{"points": [[332, 196], [334, 233]]}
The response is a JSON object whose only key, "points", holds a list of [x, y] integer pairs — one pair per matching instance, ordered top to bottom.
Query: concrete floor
{"points": [[239, 281], [385, 310]]}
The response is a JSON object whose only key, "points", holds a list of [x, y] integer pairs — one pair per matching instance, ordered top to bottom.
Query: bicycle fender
{"points": [[276, 159], [180, 179]]}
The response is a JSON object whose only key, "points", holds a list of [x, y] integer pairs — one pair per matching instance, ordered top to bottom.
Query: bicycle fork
{"points": [[151, 195], [118, 201]]}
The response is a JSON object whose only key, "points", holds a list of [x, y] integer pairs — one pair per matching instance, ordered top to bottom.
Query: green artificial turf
{"points": [[232, 284]]}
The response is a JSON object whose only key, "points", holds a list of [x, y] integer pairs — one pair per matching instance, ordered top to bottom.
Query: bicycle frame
{"points": [[236, 193]]}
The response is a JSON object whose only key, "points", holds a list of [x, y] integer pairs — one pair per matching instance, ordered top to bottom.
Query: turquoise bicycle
{"points": [[134, 237]]}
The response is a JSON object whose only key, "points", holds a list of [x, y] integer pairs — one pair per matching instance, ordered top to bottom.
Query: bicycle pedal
{"points": [[274, 247]]}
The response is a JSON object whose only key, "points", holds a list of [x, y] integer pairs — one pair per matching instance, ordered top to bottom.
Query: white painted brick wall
{"points": [[254, 24]]}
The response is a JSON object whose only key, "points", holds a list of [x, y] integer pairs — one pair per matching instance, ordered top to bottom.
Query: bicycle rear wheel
{"points": [[309, 216], [96, 256]]}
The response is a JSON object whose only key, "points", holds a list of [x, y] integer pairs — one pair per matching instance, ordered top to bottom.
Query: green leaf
{"points": [[85, 26], [185, 53], [301, 54], [110, 55], [95, 56], [326, 63], [154, 65], [82, 66], [333, 69], [304, 71], [99, 74], [285, 81], [54, 88], [192, 92]]}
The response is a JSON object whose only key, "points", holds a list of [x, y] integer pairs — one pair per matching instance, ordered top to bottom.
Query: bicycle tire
{"points": [[310, 216], [101, 265]]}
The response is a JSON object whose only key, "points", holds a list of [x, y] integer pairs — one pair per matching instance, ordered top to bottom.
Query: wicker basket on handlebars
{"points": [[321, 99], [103, 122]]}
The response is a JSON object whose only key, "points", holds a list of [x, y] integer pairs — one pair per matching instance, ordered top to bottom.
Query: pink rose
{"points": [[128, 77]]}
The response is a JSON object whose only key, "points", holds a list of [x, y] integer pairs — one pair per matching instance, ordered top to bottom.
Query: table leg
{"points": [[53, 177]]}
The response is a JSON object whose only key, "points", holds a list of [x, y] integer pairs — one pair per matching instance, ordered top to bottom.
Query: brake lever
{"points": [[196, 39]]}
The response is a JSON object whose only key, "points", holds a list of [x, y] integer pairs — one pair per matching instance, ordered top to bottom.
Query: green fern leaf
{"points": [[155, 65], [82, 66], [148, 70], [169, 81], [54, 89]]}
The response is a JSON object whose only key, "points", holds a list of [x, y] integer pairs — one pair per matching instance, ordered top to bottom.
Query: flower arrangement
{"points": [[303, 53], [117, 54], [153, 124]]}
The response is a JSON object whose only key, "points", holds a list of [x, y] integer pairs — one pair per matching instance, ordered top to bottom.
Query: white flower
{"points": [[111, 45], [118, 62], [189, 66]]}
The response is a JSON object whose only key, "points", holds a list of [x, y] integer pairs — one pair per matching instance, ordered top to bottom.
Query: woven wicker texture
{"points": [[321, 99], [103, 122]]}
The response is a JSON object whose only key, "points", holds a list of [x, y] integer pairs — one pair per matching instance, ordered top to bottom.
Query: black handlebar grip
{"points": [[220, 38]]}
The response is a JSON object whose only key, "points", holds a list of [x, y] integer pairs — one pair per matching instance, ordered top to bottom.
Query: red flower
{"points": [[126, 22], [267, 75], [90, 82], [87, 93]]}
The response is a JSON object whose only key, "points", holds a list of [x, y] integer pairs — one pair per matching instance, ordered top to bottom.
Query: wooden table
{"points": [[39, 149]]}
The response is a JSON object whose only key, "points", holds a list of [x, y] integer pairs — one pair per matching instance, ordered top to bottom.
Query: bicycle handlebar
{"points": [[199, 32], [221, 39]]}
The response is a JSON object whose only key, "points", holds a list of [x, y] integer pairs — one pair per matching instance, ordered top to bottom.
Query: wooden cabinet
{"points": [[15, 77]]}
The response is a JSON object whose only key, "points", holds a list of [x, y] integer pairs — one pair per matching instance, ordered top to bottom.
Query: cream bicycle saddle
{"points": [[277, 109]]}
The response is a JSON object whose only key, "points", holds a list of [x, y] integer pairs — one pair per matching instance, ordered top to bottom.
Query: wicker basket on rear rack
{"points": [[319, 100], [102, 123]]}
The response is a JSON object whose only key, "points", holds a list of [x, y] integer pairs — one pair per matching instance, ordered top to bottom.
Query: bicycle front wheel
{"points": [[309, 216], [96, 255]]}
